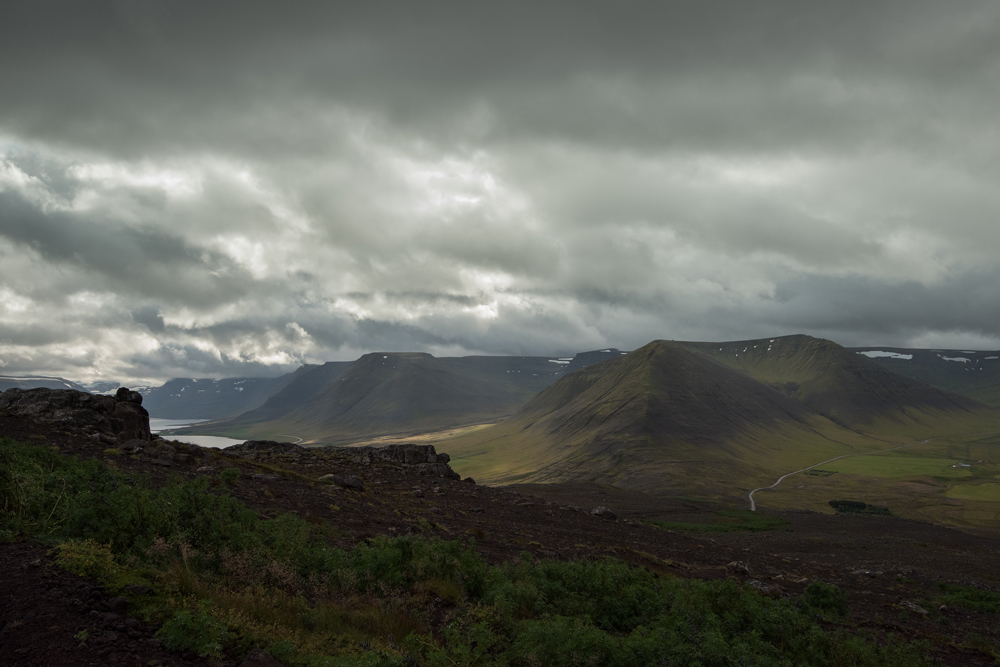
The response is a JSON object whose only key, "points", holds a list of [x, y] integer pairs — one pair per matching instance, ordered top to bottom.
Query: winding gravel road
{"points": [[753, 505]]}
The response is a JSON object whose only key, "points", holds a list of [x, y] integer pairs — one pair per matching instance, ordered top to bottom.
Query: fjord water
{"points": [[163, 426]]}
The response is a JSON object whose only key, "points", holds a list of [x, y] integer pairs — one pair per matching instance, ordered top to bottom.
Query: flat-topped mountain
{"points": [[392, 393], [226, 398]]}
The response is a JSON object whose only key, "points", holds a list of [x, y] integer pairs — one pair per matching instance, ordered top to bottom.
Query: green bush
{"points": [[230, 475], [86, 558], [825, 598], [969, 598], [199, 632]]}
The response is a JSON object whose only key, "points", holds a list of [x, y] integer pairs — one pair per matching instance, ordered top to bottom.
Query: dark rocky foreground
{"points": [[888, 567], [52, 617]]}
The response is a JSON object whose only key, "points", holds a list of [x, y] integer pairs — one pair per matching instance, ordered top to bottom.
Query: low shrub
{"points": [[86, 558], [967, 597], [825, 598], [198, 632]]}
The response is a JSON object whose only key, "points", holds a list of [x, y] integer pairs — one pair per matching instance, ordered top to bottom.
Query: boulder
{"points": [[123, 394], [132, 445], [345, 481], [604, 513], [739, 567], [770, 590], [909, 605]]}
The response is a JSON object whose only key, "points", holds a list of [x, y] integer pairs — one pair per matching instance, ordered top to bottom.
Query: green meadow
{"points": [[898, 464], [987, 492]]}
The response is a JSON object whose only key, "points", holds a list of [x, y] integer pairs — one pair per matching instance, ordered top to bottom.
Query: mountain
{"points": [[971, 373], [832, 381], [35, 382], [102, 386], [393, 393], [201, 398], [226, 398], [707, 418]]}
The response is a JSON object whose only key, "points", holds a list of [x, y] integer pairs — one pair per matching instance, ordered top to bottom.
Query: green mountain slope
{"points": [[974, 374], [834, 382], [712, 419]]}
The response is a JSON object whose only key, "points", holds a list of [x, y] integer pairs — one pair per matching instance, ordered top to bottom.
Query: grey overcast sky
{"points": [[218, 189]]}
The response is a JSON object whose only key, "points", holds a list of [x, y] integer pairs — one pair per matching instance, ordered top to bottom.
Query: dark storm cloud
{"points": [[135, 74], [237, 187], [865, 308]]}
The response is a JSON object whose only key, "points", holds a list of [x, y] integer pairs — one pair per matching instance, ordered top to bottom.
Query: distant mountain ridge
{"points": [[975, 374], [831, 380], [37, 382], [389, 393], [206, 398]]}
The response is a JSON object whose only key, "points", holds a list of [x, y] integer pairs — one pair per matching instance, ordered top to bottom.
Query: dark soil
{"points": [[888, 567]]}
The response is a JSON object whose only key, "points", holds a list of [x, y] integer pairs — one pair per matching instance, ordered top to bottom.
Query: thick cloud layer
{"points": [[237, 188]]}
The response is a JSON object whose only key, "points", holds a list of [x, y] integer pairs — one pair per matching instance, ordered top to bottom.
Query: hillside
{"points": [[967, 372], [834, 382], [391, 393], [710, 419], [146, 551]]}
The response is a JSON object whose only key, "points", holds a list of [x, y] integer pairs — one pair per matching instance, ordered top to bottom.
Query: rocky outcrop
{"points": [[116, 419], [250, 448], [409, 454], [422, 459]]}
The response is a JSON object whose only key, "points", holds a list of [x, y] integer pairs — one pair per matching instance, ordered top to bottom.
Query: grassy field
{"points": [[898, 464], [918, 482], [987, 492]]}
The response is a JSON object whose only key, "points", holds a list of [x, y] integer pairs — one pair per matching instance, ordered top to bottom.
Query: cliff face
{"points": [[112, 419]]}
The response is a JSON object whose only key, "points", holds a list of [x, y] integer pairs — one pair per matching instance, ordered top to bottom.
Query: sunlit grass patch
{"points": [[988, 492]]}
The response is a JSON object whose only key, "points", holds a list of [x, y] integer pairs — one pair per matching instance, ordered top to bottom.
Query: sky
{"points": [[192, 189]]}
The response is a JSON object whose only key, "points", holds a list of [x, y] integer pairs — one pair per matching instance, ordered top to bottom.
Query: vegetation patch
{"points": [[898, 464], [816, 472], [987, 492], [858, 507], [727, 521], [224, 580], [967, 597]]}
